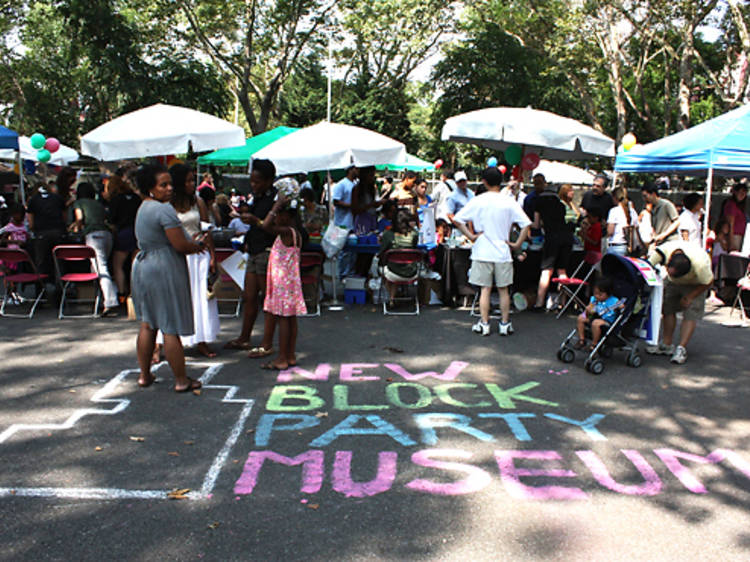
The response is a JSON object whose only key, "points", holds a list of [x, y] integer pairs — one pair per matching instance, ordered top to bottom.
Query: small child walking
{"points": [[284, 299], [600, 313]]}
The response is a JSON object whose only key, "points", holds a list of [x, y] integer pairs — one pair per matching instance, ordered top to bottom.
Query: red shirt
{"points": [[592, 241]]}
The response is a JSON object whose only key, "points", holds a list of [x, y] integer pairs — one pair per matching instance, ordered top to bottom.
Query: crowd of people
{"points": [[156, 222]]}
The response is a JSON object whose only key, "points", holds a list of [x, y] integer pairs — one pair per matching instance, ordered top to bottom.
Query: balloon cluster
{"points": [[44, 147], [438, 163]]}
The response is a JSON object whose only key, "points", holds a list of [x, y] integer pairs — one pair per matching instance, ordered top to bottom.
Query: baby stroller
{"points": [[633, 293]]}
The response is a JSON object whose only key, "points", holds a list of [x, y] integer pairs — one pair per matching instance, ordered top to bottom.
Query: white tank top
{"points": [[191, 220]]}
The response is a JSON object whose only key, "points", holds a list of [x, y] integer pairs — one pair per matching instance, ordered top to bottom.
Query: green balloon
{"points": [[38, 140], [513, 154], [43, 155]]}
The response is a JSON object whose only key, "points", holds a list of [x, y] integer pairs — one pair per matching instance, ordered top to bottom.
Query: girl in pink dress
{"points": [[13, 235], [284, 299]]}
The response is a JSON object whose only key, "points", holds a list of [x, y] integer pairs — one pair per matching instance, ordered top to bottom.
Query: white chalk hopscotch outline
{"points": [[209, 481]]}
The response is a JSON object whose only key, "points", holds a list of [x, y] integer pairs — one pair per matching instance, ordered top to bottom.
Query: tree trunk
{"points": [[686, 81]]}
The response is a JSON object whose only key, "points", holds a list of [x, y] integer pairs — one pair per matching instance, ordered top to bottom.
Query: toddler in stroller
{"points": [[614, 316]]}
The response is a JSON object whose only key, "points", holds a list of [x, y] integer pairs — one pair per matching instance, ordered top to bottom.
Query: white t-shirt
{"points": [[342, 191], [440, 195], [493, 216], [617, 217], [689, 221], [238, 226]]}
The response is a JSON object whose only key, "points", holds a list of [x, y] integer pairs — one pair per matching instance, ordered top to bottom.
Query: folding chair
{"points": [[73, 254], [222, 254], [18, 257], [402, 257], [311, 266], [742, 285], [572, 286]]}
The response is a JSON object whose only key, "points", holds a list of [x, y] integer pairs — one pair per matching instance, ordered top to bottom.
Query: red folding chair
{"points": [[75, 254], [221, 254], [18, 256], [402, 257], [311, 267], [572, 286]]}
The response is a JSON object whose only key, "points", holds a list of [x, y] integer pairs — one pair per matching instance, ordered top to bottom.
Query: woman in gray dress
{"points": [[160, 282]]}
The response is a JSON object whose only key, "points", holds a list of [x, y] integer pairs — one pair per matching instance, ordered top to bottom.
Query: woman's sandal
{"points": [[237, 344], [580, 344], [260, 351], [271, 367], [192, 385]]}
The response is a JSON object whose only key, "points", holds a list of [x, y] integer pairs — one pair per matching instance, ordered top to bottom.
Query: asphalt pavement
{"points": [[395, 438]]}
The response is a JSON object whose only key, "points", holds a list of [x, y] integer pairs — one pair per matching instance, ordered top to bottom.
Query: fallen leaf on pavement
{"points": [[393, 349], [389, 379], [73, 391], [197, 392], [321, 415], [250, 431], [139, 439], [189, 442], [97, 448], [173, 454], [235, 461], [178, 494], [313, 505], [213, 525]]}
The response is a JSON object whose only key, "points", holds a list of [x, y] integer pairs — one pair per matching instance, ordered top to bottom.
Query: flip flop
{"points": [[234, 344], [257, 352], [271, 367], [192, 385]]}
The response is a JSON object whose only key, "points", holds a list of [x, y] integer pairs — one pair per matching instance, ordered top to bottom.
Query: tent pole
{"points": [[20, 179], [706, 217]]}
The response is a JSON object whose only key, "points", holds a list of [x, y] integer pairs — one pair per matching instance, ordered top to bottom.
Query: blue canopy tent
{"points": [[9, 139], [720, 146]]}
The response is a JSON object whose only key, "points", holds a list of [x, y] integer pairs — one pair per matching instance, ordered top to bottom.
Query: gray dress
{"points": [[160, 282]]}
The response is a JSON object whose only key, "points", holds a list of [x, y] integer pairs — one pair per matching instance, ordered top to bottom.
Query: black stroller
{"points": [[634, 294]]}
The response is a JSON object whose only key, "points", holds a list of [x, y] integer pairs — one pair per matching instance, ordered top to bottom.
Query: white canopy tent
{"points": [[158, 130], [547, 134], [331, 146], [61, 157], [558, 172]]}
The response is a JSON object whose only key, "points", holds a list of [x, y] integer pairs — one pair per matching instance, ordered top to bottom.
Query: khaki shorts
{"points": [[257, 264], [489, 273], [672, 295]]}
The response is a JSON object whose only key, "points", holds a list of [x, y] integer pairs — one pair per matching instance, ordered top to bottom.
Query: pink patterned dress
{"points": [[283, 284]]}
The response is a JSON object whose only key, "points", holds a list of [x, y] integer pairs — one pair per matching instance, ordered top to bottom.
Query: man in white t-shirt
{"points": [[441, 192], [342, 216], [493, 216]]}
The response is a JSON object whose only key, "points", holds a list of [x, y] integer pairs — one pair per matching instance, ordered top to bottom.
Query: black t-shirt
{"points": [[603, 203], [47, 209], [122, 210], [552, 212], [257, 239]]}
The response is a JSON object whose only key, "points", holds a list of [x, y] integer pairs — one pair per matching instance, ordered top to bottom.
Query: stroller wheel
{"points": [[566, 355], [635, 360], [595, 367]]}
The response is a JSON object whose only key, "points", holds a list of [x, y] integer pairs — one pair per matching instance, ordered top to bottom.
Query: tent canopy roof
{"points": [[8, 138], [721, 143], [241, 155]]}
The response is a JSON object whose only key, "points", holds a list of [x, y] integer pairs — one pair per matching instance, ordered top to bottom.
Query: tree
{"points": [[258, 43]]}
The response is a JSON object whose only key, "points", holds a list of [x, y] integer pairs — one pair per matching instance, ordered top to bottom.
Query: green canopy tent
{"points": [[241, 155], [412, 163]]}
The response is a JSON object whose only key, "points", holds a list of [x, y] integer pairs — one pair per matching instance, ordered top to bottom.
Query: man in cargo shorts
{"points": [[492, 215], [689, 276]]}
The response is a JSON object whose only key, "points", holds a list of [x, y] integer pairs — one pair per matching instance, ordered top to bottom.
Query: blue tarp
{"points": [[8, 138], [722, 144]]}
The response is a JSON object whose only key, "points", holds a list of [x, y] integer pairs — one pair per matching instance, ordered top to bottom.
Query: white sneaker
{"points": [[481, 328], [505, 329], [661, 349], [679, 356]]}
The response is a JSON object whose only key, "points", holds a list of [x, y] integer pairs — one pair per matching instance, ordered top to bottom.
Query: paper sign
{"points": [[235, 266]]}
